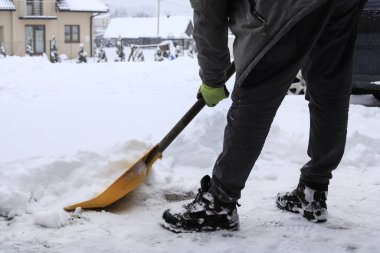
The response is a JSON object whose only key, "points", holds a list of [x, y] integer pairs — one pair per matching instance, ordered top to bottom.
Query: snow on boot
{"points": [[311, 204], [205, 213]]}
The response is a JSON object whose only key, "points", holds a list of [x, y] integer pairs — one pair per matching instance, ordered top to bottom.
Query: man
{"points": [[274, 40]]}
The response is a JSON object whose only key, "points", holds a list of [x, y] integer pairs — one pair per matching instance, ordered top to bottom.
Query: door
{"points": [[36, 35]]}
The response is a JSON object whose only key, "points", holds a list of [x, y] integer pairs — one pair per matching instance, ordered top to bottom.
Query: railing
{"points": [[31, 9]]}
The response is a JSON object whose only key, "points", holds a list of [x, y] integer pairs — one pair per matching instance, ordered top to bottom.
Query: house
{"points": [[69, 21], [101, 23], [151, 30]]}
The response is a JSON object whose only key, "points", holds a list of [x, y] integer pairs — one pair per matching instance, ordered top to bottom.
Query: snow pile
{"points": [[65, 137], [64, 181], [12, 201], [52, 219]]}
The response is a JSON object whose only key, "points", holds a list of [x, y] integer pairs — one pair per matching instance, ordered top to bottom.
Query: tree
{"points": [[119, 12]]}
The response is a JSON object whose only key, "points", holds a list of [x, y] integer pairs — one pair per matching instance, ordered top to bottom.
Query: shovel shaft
{"points": [[183, 122]]}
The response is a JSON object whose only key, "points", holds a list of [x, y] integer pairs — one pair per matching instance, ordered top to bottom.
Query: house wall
{"points": [[73, 18], [54, 22], [18, 25], [5, 29], [19, 33]]}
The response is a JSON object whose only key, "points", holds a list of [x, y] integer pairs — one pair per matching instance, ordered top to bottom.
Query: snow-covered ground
{"points": [[65, 128]]}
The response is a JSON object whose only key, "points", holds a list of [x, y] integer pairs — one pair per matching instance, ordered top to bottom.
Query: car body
{"points": [[366, 78]]}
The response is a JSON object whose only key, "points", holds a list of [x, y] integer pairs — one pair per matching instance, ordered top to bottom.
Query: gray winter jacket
{"points": [[257, 25]]}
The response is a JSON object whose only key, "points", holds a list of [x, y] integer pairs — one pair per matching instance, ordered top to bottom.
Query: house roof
{"points": [[7, 5], [81, 6], [170, 27]]}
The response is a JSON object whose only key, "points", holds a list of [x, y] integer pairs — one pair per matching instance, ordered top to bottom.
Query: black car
{"points": [[366, 79]]}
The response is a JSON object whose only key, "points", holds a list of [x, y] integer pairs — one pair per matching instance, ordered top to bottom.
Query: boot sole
{"points": [[307, 215], [179, 230]]}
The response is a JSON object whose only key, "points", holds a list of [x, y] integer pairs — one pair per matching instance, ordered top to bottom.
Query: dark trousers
{"points": [[322, 45]]}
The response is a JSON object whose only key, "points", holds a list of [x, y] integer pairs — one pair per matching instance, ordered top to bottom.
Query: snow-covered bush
{"points": [[29, 47], [120, 50], [3, 51], [82, 55], [140, 55], [158, 55], [54, 57], [102, 57]]}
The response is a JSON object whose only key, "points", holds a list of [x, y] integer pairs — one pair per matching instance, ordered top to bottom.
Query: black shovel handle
{"points": [[183, 122]]}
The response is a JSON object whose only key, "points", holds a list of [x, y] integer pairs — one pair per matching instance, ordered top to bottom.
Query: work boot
{"points": [[311, 204], [204, 213]]}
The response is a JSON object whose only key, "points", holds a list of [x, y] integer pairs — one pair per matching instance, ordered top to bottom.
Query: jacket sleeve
{"points": [[211, 38]]}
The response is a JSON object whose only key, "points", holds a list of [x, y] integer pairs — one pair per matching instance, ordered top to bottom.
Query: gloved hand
{"points": [[211, 95]]}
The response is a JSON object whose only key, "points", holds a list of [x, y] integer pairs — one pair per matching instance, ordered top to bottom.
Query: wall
{"points": [[74, 18], [6, 24], [18, 26], [19, 33]]}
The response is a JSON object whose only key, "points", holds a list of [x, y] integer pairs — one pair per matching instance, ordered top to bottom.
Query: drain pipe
{"points": [[91, 32]]}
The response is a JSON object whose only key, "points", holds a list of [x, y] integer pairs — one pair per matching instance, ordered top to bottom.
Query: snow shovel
{"points": [[135, 174]]}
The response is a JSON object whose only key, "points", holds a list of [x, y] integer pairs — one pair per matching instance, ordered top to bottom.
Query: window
{"points": [[34, 7], [72, 33], [35, 34]]}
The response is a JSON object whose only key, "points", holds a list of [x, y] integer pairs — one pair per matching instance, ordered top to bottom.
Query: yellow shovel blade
{"points": [[132, 177]]}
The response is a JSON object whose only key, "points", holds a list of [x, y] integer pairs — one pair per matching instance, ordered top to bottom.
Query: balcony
{"points": [[37, 9]]}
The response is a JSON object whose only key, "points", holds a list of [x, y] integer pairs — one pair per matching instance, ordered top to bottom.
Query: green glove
{"points": [[211, 95]]}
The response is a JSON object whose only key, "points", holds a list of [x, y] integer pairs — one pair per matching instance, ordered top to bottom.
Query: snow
{"points": [[7, 5], [82, 5], [133, 27], [376, 83], [67, 131], [50, 219]]}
